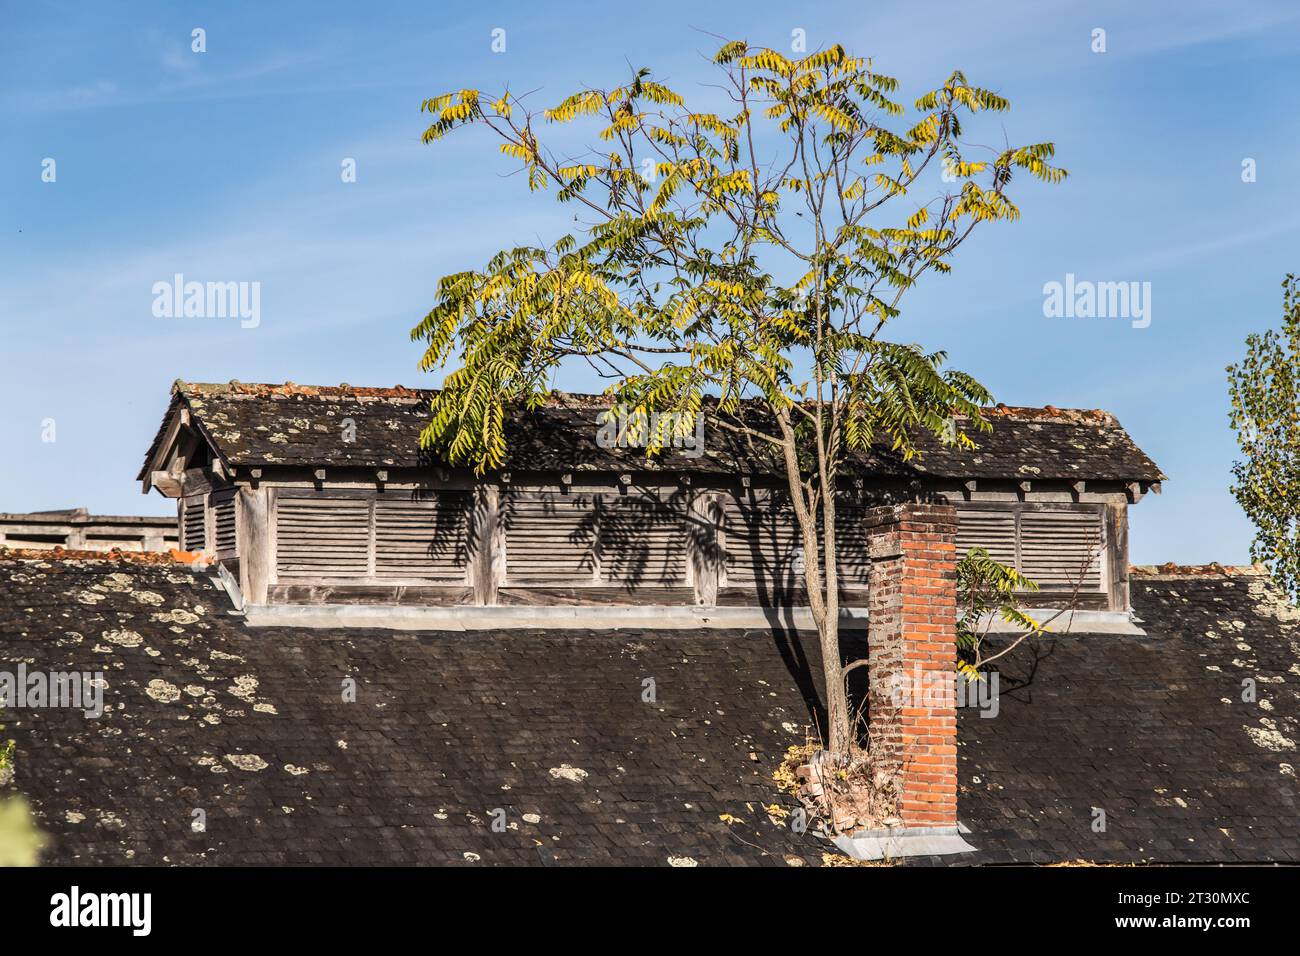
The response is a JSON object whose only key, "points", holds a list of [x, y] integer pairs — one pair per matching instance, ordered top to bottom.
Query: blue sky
{"points": [[225, 165]]}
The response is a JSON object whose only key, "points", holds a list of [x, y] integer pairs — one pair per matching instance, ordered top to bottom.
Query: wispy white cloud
{"points": [[1200, 25], [182, 76], [82, 96]]}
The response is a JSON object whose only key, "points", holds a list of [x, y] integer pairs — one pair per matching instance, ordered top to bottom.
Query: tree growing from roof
{"points": [[741, 261], [1265, 392]]}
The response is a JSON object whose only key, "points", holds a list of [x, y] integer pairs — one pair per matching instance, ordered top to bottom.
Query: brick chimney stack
{"points": [[912, 712]]}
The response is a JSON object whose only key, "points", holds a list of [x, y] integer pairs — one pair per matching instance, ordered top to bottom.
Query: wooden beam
{"points": [[164, 448], [195, 481], [166, 482], [253, 533], [489, 545], [704, 549], [1116, 556]]}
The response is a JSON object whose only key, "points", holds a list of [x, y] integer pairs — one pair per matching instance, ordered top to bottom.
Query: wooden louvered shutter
{"points": [[223, 521], [992, 530], [194, 535], [322, 537], [550, 537], [422, 539], [643, 541], [762, 542], [851, 546], [1055, 547], [1061, 549]]}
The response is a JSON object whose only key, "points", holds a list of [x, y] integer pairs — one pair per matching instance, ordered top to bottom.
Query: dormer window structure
{"points": [[322, 496]]}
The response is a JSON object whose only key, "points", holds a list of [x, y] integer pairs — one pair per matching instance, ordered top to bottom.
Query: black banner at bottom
{"points": [[336, 905]]}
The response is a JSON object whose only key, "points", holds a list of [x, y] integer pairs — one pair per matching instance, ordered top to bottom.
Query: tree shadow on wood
{"points": [[443, 533]]}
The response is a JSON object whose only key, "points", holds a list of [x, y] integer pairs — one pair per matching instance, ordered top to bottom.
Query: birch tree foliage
{"points": [[1264, 388]]}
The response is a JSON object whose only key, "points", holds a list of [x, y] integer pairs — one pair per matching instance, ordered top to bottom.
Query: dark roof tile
{"points": [[256, 425], [445, 730]]}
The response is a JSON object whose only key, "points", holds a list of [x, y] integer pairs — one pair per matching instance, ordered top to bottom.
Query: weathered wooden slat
{"points": [[223, 522], [194, 523], [994, 531], [322, 537], [372, 537], [548, 537], [422, 538], [594, 539], [761, 541], [643, 542], [1055, 547], [851, 548], [396, 594], [539, 596], [783, 597]]}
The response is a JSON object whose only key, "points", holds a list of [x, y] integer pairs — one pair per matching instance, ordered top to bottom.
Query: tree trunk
{"points": [[839, 732]]}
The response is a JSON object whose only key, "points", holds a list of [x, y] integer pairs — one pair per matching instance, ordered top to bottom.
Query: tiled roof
{"points": [[299, 425], [250, 727], [550, 727], [1154, 731]]}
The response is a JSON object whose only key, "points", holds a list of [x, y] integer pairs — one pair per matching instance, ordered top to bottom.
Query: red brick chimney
{"points": [[912, 712]]}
